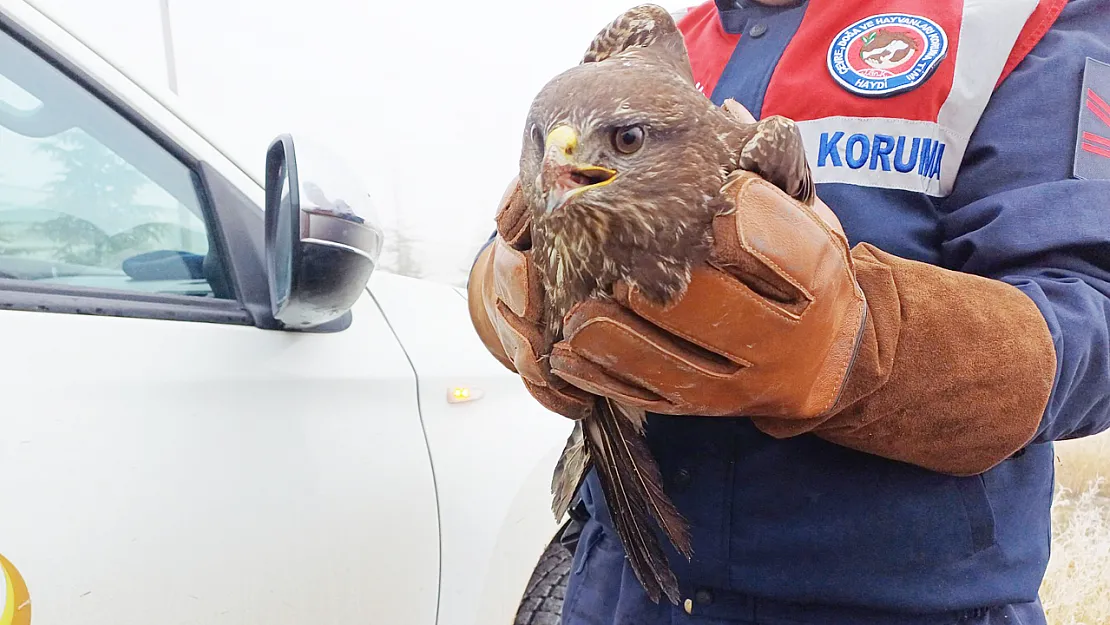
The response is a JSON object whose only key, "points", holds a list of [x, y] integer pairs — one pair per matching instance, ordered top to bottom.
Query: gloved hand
{"points": [[506, 304], [768, 328], [897, 358], [901, 359]]}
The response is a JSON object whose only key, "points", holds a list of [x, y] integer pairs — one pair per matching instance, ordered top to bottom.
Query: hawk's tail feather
{"points": [[630, 424], [570, 470], [631, 483]]}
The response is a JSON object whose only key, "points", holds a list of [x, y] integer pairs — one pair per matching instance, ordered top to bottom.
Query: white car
{"points": [[211, 409]]}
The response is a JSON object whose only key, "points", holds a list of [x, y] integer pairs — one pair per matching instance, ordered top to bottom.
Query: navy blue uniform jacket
{"points": [[968, 162]]}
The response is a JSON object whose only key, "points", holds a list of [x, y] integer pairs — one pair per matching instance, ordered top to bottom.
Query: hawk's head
{"points": [[625, 132]]}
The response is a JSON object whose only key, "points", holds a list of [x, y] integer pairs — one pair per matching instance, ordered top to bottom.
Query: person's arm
{"points": [[1017, 215], [1019, 218], [479, 289], [897, 358], [953, 368]]}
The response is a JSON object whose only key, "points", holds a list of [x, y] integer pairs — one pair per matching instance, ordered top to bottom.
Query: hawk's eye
{"points": [[628, 139]]}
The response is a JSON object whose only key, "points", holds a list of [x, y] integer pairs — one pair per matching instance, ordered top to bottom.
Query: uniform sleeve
{"points": [[1017, 215], [481, 249]]}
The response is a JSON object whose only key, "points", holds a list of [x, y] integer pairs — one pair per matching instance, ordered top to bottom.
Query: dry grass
{"points": [[1080, 462], [1076, 588]]}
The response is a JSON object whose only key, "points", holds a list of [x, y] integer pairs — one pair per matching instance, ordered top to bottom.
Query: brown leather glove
{"points": [[506, 303], [786, 325], [768, 328]]}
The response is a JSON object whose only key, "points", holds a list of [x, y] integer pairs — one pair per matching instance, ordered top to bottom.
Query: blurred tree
{"points": [[93, 180], [93, 184], [399, 253]]}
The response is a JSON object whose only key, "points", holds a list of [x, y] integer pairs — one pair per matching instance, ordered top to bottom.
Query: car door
{"points": [[166, 454]]}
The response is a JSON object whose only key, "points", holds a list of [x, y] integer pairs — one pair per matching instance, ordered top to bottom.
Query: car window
{"points": [[86, 197]]}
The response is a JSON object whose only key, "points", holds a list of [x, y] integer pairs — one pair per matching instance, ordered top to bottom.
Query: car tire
{"points": [[543, 598]]}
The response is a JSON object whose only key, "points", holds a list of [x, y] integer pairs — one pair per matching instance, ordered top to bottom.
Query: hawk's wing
{"points": [[649, 27], [774, 149], [776, 152]]}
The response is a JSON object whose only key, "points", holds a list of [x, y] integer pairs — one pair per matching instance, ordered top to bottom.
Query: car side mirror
{"points": [[322, 240]]}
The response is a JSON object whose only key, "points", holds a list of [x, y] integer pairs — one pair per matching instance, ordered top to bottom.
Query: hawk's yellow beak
{"points": [[561, 142], [562, 177]]}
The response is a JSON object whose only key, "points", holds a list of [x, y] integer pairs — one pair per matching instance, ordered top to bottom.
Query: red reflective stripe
{"points": [[1043, 17], [709, 45], [802, 89], [1098, 101], [1098, 107], [1093, 138], [1093, 149]]}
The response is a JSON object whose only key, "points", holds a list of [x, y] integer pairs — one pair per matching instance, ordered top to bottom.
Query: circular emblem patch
{"points": [[886, 54]]}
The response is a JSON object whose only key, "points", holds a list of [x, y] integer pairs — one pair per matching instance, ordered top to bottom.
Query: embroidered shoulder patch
{"points": [[883, 55], [1092, 141]]}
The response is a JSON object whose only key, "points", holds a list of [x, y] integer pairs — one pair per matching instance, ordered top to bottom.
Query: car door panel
{"points": [[493, 455], [169, 457], [166, 472]]}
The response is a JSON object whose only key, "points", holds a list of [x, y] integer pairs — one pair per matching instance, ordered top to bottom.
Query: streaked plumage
{"points": [[622, 166]]}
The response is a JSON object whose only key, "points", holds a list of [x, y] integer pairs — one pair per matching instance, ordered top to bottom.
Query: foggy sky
{"points": [[424, 100]]}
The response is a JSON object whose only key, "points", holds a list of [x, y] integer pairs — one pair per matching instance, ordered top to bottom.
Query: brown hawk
{"points": [[622, 166]]}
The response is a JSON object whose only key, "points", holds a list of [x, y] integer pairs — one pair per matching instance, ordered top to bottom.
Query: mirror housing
{"points": [[322, 238]]}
